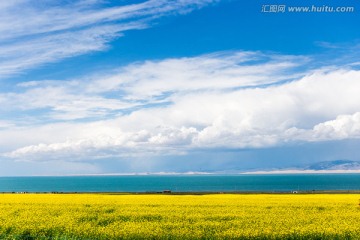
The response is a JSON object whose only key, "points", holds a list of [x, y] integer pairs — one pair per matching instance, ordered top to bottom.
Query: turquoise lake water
{"points": [[154, 183]]}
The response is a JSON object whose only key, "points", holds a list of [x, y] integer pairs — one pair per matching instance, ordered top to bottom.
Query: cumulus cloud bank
{"points": [[221, 100]]}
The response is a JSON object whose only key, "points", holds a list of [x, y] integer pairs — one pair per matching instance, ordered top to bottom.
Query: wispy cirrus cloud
{"points": [[32, 34], [26, 54], [217, 71]]}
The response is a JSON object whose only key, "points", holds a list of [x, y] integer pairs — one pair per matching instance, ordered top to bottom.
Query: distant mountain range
{"points": [[335, 165]]}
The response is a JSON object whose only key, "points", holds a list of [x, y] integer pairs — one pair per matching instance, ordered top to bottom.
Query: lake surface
{"points": [[181, 183]]}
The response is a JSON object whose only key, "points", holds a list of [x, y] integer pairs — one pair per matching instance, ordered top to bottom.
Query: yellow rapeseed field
{"points": [[221, 216]]}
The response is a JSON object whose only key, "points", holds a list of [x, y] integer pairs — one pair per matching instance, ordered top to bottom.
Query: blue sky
{"points": [[93, 86]]}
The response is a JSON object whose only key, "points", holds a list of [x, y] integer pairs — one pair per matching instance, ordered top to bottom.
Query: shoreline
{"points": [[185, 174], [166, 192]]}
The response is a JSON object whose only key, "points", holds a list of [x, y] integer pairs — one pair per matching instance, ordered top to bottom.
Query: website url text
{"points": [[306, 9]]}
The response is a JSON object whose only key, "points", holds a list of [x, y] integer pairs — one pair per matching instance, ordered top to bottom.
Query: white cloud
{"points": [[52, 16], [34, 34], [30, 53], [208, 72], [150, 82], [64, 102], [214, 108], [6, 124], [343, 127]]}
